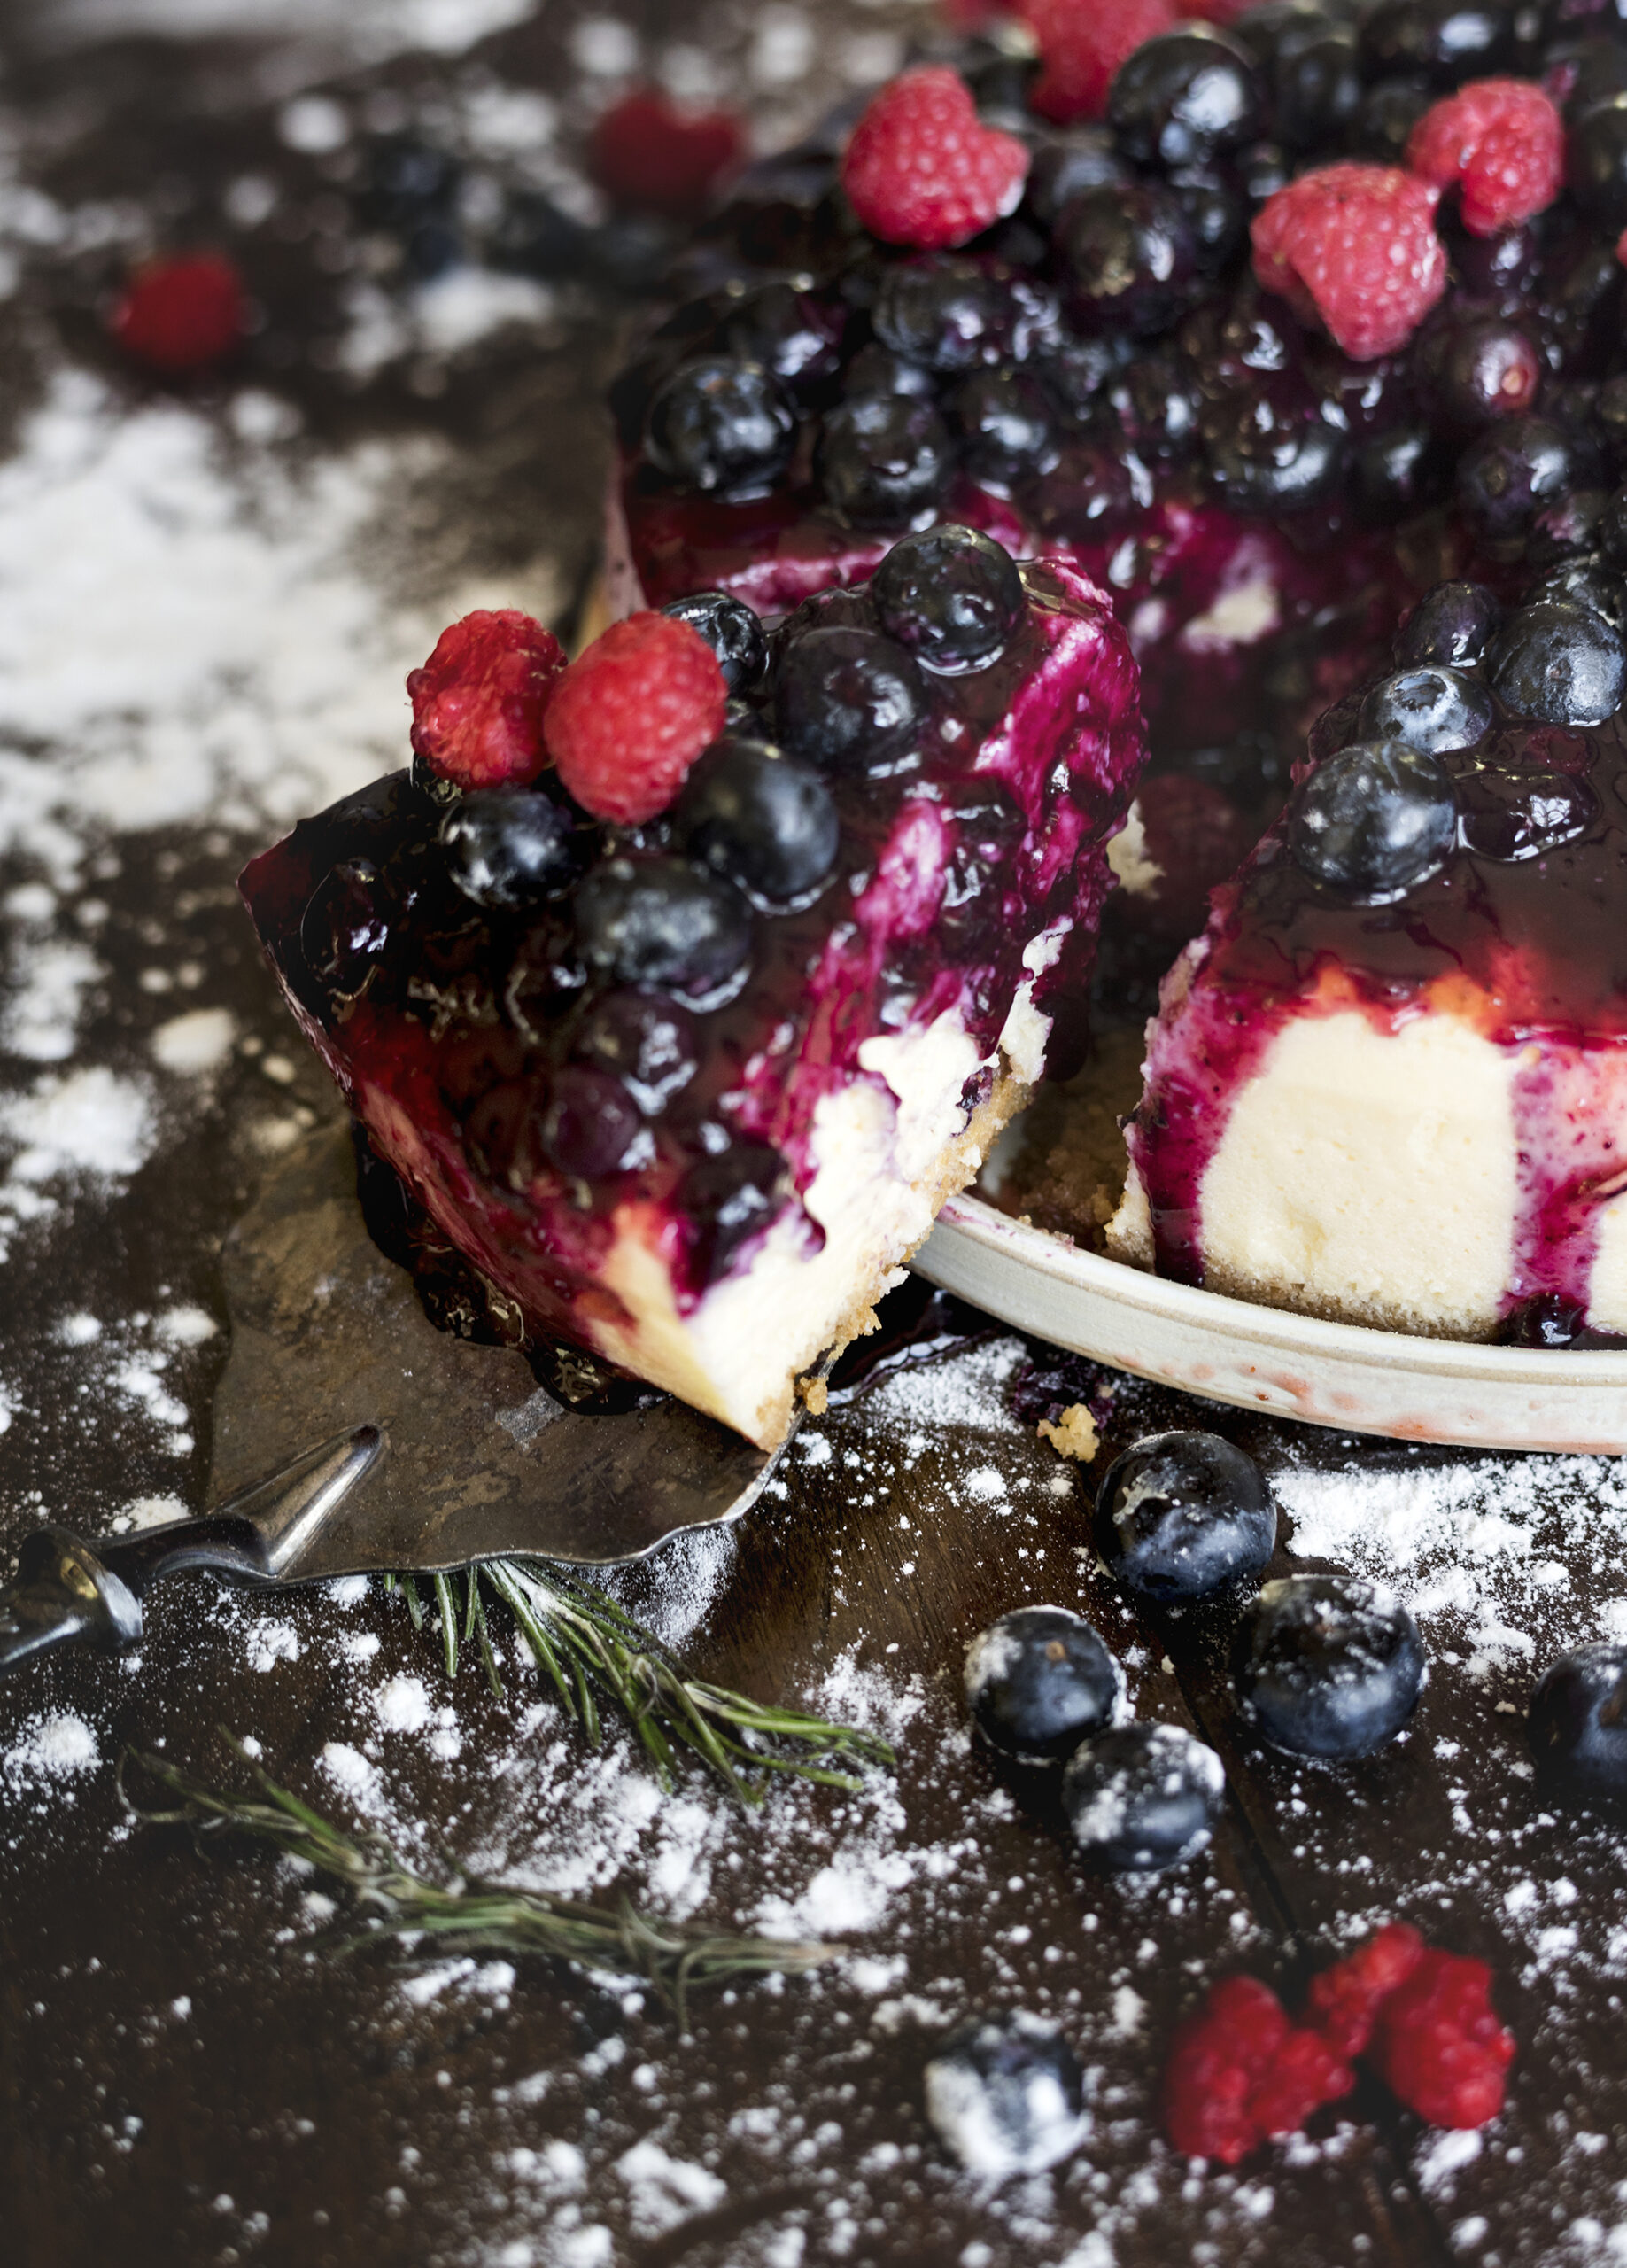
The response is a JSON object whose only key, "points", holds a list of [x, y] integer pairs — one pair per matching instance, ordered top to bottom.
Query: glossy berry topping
{"points": [[1446, 41], [1083, 42], [1312, 71], [1184, 97], [1502, 141], [1598, 146], [649, 153], [923, 169], [1355, 245], [1129, 257], [183, 314], [944, 314], [794, 334], [1487, 368], [717, 423], [1006, 424], [880, 461], [1512, 472], [951, 597], [1452, 624], [731, 629], [1561, 664], [479, 701], [848, 701], [1430, 709], [631, 715], [1511, 813], [762, 820], [1374, 821], [505, 846], [664, 923], [346, 926], [651, 1044], [589, 1124], [1179, 1514], [1329, 1666], [1039, 1682], [1578, 1721], [1142, 1797], [1345, 2001], [1438, 2046], [1238, 2072], [1006, 2096]]}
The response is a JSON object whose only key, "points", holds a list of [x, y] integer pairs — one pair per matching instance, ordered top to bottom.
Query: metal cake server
{"points": [[434, 1451]]}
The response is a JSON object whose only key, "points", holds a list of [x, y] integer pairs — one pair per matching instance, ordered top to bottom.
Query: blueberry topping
{"points": [[1446, 41], [1314, 76], [1184, 97], [1387, 114], [1598, 147], [1068, 165], [1214, 211], [1129, 257], [942, 313], [787, 331], [1078, 368], [1484, 368], [875, 369], [717, 423], [1005, 423], [1267, 456], [880, 459], [1515, 468], [1397, 471], [1569, 530], [1586, 583], [952, 597], [1451, 624], [732, 630], [1560, 663], [848, 701], [1431, 709], [1510, 815], [762, 820], [1374, 821], [508, 847], [664, 923], [344, 928], [650, 1045], [589, 1124], [727, 1201], [1179, 1514], [1329, 1666], [1039, 1681], [1578, 1721], [1142, 1797], [1006, 2096]]}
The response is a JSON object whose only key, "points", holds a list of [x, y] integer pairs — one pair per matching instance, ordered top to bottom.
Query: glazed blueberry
{"points": [[1444, 41], [1315, 80], [1184, 97], [1387, 114], [1598, 144], [1068, 164], [1215, 213], [1128, 256], [945, 314], [788, 332], [1078, 368], [875, 369], [1485, 369], [1157, 404], [1610, 418], [717, 423], [1005, 423], [1268, 456], [881, 460], [1516, 468], [1398, 471], [1570, 530], [1587, 583], [951, 597], [1451, 624], [732, 630], [1560, 663], [848, 702], [1431, 709], [1510, 814], [761, 818], [1374, 821], [506, 847], [664, 923], [344, 928], [651, 1045], [589, 1124], [727, 1200], [1179, 1514], [1329, 1666], [1039, 1681], [1578, 1721], [1142, 1797], [1006, 2096]]}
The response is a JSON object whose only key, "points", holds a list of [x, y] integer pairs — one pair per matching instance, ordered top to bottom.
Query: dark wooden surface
{"points": [[180, 2083]]}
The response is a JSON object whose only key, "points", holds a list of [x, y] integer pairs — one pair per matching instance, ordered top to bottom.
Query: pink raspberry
{"points": [[1083, 42], [1503, 140], [649, 153], [921, 168], [1355, 244], [182, 314], [478, 701], [631, 715], [1345, 2002], [1439, 2046], [1238, 2072]]}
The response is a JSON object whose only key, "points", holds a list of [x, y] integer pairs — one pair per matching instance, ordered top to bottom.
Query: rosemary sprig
{"points": [[591, 1649], [466, 1914]]}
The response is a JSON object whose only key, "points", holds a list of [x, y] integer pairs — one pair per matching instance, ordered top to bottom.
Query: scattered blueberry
{"points": [[1184, 97], [1128, 256], [943, 313], [717, 423], [1005, 423], [882, 459], [1517, 466], [952, 597], [1452, 624], [732, 630], [1560, 663], [848, 701], [1431, 709], [1510, 814], [762, 819], [1374, 821], [506, 847], [664, 923], [650, 1045], [589, 1124], [1179, 1514], [1329, 1666], [1039, 1682], [1578, 1720], [1141, 1797], [1006, 2096]]}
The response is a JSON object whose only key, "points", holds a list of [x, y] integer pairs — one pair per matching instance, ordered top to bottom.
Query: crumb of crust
{"points": [[1069, 1172], [816, 1396], [1073, 1435]]}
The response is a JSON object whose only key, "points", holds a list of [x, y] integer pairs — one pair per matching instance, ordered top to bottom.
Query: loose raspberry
{"points": [[1083, 42], [1503, 140], [648, 153], [921, 168], [1355, 244], [182, 314], [478, 701], [631, 715], [1345, 2002], [1439, 2046], [1239, 2071], [1305, 2072]]}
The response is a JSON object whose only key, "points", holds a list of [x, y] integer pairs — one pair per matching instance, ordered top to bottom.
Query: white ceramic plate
{"points": [[1326, 1373]]}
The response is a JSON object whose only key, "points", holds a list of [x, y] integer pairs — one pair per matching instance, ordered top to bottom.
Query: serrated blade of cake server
{"points": [[481, 1461]]}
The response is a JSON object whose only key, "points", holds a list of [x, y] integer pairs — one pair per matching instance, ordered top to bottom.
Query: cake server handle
{"points": [[67, 1586]]}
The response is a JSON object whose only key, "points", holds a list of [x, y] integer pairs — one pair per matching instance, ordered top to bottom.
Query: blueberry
{"points": [[1445, 41], [1315, 80], [1184, 97], [1387, 114], [1598, 144], [1065, 164], [1262, 170], [409, 189], [1215, 213], [536, 237], [1129, 257], [945, 314], [788, 332], [1483, 368], [875, 369], [1078, 369], [1157, 404], [1610, 421], [717, 423], [1006, 425], [1267, 456], [880, 461], [1515, 468], [1397, 471], [1566, 530], [1590, 583], [952, 597], [1452, 624], [732, 630], [1560, 663], [849, 701], [1433, 709], [1510, 814], [762, 819], [1374, 821], [508, 847], [664, 923], [346, 926], [650, 1045], [589, 1124], [728, 1201], [1179, 1514], [1329, 1666], [1039, 1681], [1578, 1720], [1142, 1797], [1006, 2096]]}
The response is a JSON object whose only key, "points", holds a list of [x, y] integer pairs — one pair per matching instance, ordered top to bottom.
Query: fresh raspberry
{"points": [[1083, 42], [1503, 140], [646, 151], [921, 168], [1355, 244], [182, 314], [478, 701], [631, 715], [1344, 2001], [1439, 2046], [1238, 2072], [1304, 2073]]}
